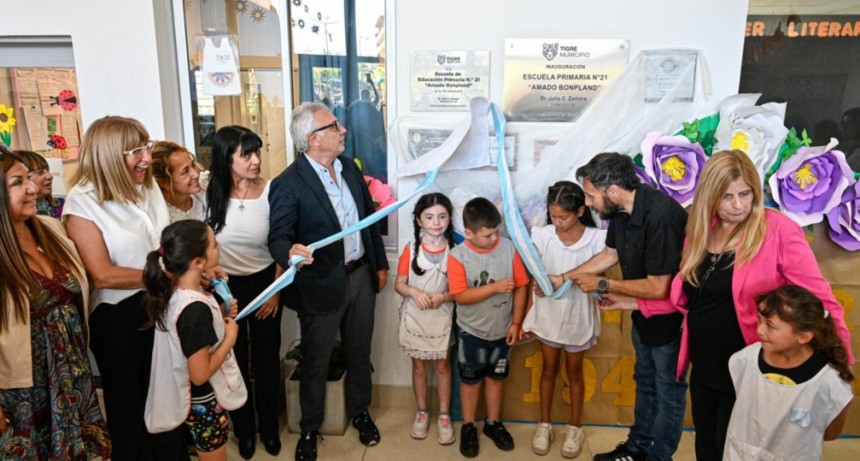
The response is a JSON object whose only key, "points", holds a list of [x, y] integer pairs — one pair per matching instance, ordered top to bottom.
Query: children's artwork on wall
{"points": [[317, 27], [66, 99], [49, 110], [7, 124]]}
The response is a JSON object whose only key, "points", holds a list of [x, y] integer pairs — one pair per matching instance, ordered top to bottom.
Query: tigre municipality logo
{"points": [[550, 51], [441, 59]]}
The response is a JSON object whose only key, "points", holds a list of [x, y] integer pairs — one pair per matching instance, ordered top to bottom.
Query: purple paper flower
{"points": [[674, 164], [643, 176], [810, 183], [844, 220]]}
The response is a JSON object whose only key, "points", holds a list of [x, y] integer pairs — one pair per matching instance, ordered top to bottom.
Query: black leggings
{"points": [[712, 409]]}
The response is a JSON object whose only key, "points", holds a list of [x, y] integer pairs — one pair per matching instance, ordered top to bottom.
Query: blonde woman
{"points": [[178, 175], [115, 215], [735, 251], [48, 403]]}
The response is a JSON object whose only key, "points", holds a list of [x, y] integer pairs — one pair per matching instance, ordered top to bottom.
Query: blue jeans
{"points": [[658, 417]]}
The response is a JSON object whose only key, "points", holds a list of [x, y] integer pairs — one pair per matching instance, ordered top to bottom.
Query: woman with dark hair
{"points": [[40, 174], [238, 212], [115, 215], [48, 404]]}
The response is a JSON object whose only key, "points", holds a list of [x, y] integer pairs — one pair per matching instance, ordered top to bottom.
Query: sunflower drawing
{"points": [[7, 123]]}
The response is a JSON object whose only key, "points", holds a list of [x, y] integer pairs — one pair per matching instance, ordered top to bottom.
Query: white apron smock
{"points": [[220, 70], [425, 334], [168, 400]]}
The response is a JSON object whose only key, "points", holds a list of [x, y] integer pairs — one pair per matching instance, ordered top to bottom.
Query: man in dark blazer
{"points": [[320, 194]]}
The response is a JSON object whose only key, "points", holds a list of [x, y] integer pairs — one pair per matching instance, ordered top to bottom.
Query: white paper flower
{"points": [[757, 130]]}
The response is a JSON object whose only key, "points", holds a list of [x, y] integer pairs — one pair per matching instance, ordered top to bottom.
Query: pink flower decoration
{"points": [[380, 192]]}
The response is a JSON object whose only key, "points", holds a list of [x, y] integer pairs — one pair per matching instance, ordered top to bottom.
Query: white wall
{"points": [[714, 26], [114, 48], [116, 60]]}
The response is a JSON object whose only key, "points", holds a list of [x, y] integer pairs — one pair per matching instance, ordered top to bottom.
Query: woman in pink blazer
{"points": [[735, 250]]}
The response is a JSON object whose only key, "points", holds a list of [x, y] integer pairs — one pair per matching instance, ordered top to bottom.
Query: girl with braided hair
{"points": [[426, 311]]}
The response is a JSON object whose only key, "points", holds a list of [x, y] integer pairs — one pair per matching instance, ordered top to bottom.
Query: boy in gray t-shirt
{"points": [[489, 282]]}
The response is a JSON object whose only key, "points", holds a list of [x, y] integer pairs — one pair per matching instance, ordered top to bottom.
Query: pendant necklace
{"points": [[242, 200]]}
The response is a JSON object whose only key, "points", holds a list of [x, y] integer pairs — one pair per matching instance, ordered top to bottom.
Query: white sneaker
{"points": [[419, 426], [444, 430], [542, 439], [572, 442]]}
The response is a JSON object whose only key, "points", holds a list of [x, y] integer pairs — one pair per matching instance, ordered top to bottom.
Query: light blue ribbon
{"points": [[513, 220], [290, 274], [223, 292]]}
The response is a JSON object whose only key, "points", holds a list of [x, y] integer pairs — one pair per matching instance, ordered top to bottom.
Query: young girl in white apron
{"points": [[426, 310], [195, 378]]}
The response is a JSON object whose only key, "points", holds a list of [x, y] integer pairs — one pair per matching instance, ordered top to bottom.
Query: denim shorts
{"points": [[478, 358]]}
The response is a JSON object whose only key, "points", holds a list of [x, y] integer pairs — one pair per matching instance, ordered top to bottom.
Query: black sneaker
{"points": [[368, 434], [501, 437], [469, 440], [306, 449], [621, 453]]}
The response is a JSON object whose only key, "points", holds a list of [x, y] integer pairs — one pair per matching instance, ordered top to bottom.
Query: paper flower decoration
{"points": [[7, 123], [757, 130], [702, 131], [674, 164], [643, 176], [810, 183], [380, 192], [844, 220]]}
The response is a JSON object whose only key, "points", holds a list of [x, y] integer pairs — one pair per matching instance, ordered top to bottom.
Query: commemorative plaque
{"points": [[445, 80], [555, 80]]}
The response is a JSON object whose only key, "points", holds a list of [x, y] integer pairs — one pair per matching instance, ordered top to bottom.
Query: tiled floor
{"points": [[393, 414]]}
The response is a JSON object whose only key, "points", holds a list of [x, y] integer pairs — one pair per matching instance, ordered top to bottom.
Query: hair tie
{"points": [[161, 251], [826, 313]]}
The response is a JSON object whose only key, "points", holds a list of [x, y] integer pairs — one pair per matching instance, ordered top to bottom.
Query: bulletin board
{"points": [[47, 107]]}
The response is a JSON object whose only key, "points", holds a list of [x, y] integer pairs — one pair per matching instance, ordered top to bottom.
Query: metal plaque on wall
{"points": [[445, 80], [554, 80]]}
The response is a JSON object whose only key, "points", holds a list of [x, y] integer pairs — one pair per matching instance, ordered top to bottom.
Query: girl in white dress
{"points": [[426, 310], [571, 323], [794, 387]]}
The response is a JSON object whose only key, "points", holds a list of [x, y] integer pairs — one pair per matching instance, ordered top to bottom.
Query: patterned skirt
{"points": [[59, 417]]}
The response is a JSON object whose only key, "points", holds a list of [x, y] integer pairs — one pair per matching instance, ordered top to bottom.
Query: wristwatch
{"points": [[603, 285]]}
